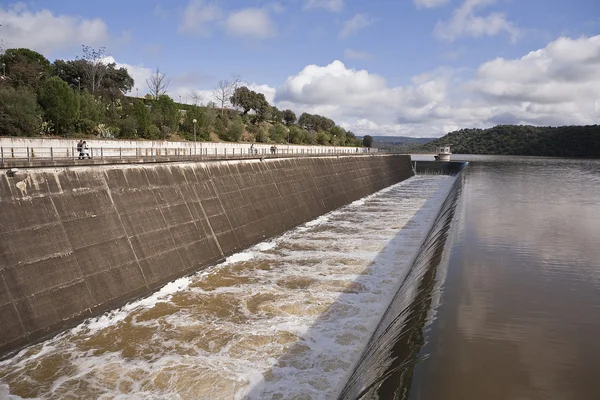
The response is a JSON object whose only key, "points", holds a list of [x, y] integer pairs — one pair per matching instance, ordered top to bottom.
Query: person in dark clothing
{"points": [[80, 149]]}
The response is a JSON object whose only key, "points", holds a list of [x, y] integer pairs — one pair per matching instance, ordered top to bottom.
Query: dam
{"points": [[273, 318]]}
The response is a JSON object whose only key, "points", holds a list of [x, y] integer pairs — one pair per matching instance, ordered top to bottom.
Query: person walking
{"points": [[80, 149], [85, 150]]}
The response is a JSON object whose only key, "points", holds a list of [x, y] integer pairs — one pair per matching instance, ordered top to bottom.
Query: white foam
{"points": [[351, 267]]}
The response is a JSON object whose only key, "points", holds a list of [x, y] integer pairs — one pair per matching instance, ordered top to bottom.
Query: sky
{"points": [[416, 68]]}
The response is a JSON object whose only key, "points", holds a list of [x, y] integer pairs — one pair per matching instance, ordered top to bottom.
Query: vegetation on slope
{"points": [[87, 97], [564, 141]]}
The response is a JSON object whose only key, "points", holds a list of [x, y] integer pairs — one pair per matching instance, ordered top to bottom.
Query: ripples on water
{"points": [[520, 313], [286, 319]]}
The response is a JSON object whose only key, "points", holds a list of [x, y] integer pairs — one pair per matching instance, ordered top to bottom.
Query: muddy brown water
{"points": [[519, 317], [286, 319]]}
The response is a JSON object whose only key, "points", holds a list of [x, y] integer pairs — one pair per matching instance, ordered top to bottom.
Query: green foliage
{"points": [[25, 68], [105, 79], [86, 96], [248, 100], [60, 105], [91, 108], [19, 113], [165, 113], [275, 116], [289, 117], [144, 122], [314, 122], [203, 123], [220, 126], [127, 127], [235, 130], [278, 133], [297, 135], [338, 136], [322, 138], [367, 141], [564, 141]]}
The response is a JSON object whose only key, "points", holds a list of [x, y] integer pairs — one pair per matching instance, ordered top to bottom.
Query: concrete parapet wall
{"points": [[46, 148], [77, 241]]}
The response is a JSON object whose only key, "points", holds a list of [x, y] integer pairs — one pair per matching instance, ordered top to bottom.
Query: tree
{"points": [[25, 67], [94, 67], [116, 82], [158, 84], [223, 92], [197, 97], [243, 98], [59, 103], [19, 112], [91, 112], [166, 114], [276, 116], [289, 117], [143, 118], [203, 122], [235, 129], [278, 133], [297, 134], [367, 141]]}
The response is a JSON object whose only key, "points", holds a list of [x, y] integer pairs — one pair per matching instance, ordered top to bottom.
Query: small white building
{"points": [[443, 153]]}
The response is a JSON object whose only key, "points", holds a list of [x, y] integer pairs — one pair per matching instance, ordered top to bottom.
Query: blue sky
{"points": [[417, 68]]}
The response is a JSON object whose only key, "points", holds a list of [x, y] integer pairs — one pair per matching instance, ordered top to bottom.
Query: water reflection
{"points": [[521, 311]]}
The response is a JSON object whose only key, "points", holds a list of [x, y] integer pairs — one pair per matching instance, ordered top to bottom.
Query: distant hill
{"points": [[563, 141], [399, 143]]}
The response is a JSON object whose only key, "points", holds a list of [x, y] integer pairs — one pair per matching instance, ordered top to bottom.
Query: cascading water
{"points": [[287, 318], [385, 368]]}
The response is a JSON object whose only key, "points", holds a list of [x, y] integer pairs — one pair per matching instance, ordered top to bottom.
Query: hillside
{"points": [[564, 141], [399, 143]]}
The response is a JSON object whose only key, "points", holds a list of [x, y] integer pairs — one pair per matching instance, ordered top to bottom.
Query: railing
{"points": [[128, 153]]}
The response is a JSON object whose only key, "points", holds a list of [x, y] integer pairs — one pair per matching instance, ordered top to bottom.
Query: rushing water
{"points": [[519, 317], [287, 319]]}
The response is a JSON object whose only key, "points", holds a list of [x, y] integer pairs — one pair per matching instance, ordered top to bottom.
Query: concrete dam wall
{"points": [[77, 241]]}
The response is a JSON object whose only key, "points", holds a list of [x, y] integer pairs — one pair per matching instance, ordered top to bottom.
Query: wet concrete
{"points": [[77, 241]]}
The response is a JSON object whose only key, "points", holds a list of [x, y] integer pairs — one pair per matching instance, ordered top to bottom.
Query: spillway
{"points": [[287, 318]]}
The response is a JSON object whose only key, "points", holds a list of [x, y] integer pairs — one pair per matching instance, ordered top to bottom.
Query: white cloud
{"points": [[429, 3], [330, 5], [197, 17], [250, 22], [465, 22], [355, 24], [46, 32], [350, 54], [139, 73], [556, 85]]}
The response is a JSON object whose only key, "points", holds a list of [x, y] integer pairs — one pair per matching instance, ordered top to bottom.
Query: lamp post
{"points": [[3, 69], [79, 83], [137, 92], [194, 121], [288, 129]]}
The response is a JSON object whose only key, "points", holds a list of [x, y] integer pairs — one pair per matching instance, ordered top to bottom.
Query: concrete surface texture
{"points": [[77, 241]]}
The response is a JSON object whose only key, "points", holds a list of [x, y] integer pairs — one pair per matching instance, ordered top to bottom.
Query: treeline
{"points": [[87, 97], [524, 140]]}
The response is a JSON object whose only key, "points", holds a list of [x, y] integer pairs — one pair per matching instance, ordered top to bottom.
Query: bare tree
{"points": [[94, 66], [158, 84], [222, 93], [197, 97]]}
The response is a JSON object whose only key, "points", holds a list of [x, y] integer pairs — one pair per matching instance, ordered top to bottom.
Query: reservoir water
{"points": [[481, 286], [519, 315], [287, 319]]}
